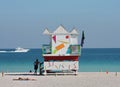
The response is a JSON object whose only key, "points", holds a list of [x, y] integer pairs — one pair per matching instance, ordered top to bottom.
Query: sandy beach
{"points": [[83, 79]]}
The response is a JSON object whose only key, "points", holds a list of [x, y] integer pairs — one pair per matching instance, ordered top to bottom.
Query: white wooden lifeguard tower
{"points": [[62, 53]]}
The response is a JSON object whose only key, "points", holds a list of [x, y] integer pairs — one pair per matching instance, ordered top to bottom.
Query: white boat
{"points": [[19, 49]]}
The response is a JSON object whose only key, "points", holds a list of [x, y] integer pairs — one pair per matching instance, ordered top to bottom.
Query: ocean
{"points": [[91, 60]]}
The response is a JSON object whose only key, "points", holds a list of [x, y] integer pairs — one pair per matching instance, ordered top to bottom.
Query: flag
{"points": [[82, 39]]}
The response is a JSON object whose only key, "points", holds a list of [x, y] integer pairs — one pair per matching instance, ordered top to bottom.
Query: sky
{"points": [[22, 22]]}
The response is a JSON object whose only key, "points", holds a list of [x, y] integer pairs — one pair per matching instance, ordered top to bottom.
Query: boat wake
{"points": [[17, 50], [3, 51]]}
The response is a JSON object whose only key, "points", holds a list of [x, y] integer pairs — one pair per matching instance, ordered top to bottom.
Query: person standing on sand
{"points": [[36, 65]]}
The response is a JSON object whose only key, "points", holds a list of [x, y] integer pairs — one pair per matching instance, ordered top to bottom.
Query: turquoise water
{"points": [[91, 60], [100, 60]]}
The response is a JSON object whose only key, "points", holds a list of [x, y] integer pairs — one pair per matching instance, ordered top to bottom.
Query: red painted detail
{"points": [[67, 37], [54, 38], [61, 58]]}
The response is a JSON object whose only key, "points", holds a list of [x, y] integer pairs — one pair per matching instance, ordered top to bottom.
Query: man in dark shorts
{"points": [[36, 65]]}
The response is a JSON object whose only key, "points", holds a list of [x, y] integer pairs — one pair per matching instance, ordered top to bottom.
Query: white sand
{"points": [[83, 79]]}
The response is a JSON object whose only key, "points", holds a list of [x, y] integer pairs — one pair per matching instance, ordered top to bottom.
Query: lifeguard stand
{"points": [[61, 55]]}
